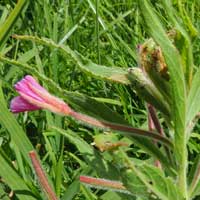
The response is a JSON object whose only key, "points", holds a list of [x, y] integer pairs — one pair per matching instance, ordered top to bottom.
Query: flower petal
{"points": [[33, 82], [23, 87], [33, 96], [18, 104]]}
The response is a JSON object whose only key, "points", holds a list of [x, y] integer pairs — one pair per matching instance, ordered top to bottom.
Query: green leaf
{"points": [[6, 28], [185, 41], [115, 74], [177, 83], [141, 84], [148, 91], [193, 104], [92, 107], [17, 134], [92, 157], [59, 169], [194, 178], [145, 180], [15, 182], [134, 184], [164, 185], [71, 191], [196, 192], [3, 195], [117, 196]]}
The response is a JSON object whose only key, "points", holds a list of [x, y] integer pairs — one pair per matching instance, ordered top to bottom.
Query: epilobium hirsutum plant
{"points": [[165, 79]]}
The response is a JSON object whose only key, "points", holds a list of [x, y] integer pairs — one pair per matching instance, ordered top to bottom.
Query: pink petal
{"points": [[33, 82], [23, 87], [34, 97], [18, 104]]}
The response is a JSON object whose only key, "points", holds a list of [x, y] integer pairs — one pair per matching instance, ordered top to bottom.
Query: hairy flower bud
{"points": [[32, 96]]}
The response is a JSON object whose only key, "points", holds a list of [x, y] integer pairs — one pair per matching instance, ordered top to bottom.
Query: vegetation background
{"points": [[105, 31]]}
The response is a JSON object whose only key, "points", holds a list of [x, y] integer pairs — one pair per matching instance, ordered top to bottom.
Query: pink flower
{"points": [[34, 97]]}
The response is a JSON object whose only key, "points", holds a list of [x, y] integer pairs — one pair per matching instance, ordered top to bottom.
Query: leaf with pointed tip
{"points": [[7, 26], [184, 43], [115, 74], [177, 84], [144, 87], [17, 134], [92, 157], [194, 178], [148, 180], [14, 181], [134, 184], [164, 185], [71, 191]]}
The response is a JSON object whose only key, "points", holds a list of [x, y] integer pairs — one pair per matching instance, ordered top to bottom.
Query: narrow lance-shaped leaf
{"points": [[8, 24], [186, 45], [115, 74], [177, 83], [144, 87], [193, 104], [17, 134], [90, 155], [194, 178], [151, 179], [14, 181]]}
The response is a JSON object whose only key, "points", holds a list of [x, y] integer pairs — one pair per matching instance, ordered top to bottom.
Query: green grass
{"points": [[104, 31]]}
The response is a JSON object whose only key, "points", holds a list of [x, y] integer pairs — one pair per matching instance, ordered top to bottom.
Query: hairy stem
{"points": [[118, 127], [42, 177]]}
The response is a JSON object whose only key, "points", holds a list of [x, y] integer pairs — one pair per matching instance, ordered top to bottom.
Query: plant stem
{"points": [[152, 126], [118, 127], [182, 167], [42, 177], [103, 183]]}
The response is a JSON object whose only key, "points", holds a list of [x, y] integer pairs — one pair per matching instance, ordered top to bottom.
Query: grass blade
{"points": [[6, 28], [17, 134], [9, 175], [194, 177]]}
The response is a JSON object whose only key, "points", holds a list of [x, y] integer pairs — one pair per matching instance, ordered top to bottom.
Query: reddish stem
{"points": [[155, 120], [153, 124], [118, 127], [42, 177], [102, 182]]}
